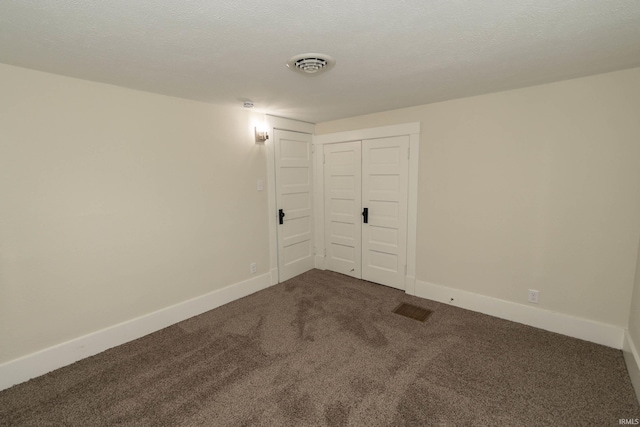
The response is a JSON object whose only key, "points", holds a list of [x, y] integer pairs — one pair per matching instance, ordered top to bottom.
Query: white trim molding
{"points": [[291, 125], [370, 133], [318, 202], [412, 212], [319, 261], [274, 276], [410, 284], [576, 327], [632, 360], [30, 366]]}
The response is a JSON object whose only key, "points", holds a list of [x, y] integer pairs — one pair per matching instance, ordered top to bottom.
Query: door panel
{"points": [[385, 175], [342, 195], [294, 197]]}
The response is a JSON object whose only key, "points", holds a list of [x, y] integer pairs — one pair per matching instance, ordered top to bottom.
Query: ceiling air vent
{"points": [[311, 63]]}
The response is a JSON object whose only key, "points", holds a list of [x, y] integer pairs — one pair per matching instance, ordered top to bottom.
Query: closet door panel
{"points": [[385, 174], [342, 203]]}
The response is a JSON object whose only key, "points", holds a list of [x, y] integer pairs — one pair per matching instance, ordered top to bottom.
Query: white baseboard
{"points": [[274, 276], [410, 285], [588, 330], [632, 359], [46, 360]]}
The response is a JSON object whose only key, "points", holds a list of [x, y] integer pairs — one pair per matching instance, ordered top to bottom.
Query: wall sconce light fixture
{"points": [[261, 135]]}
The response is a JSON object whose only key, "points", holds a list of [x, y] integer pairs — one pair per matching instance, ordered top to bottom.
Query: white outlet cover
{"points": [[260, 185]]}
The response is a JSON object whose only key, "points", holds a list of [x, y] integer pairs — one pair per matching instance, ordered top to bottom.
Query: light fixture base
{"points": [[262, 135]]}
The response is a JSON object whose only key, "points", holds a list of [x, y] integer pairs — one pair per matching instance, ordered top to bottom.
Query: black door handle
{"points": [[365, 214], [281, 216]]}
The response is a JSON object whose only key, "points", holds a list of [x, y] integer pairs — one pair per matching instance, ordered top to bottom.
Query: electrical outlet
{"points": [[260, 185], [253, 268], [533, 296]]}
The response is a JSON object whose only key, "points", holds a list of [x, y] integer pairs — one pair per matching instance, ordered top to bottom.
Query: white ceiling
{"points": [[389, 54]]}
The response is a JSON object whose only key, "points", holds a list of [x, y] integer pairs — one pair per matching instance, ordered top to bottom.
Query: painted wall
{"points": [[531, 188], [116, 203]]}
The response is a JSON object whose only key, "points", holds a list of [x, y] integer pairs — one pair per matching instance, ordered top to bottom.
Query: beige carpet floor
{"points": [[325, 349]]}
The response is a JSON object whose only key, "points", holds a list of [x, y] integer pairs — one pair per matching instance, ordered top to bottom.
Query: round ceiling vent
{"points": [[311, 63]]}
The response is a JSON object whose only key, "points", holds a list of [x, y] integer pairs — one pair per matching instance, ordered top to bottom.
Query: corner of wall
{"points": [[632, 360], [33, 365]]}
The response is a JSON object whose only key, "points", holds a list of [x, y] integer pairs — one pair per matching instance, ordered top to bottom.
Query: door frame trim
{"points": [[281, 123], [413, 131]]}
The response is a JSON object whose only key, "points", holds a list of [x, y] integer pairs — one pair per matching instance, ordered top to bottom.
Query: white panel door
{"points": [[385, 175], [293, 198], [342, 204]]}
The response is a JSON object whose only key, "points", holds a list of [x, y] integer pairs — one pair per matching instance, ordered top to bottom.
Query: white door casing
{"points": [[385, 173], [293, 178], [342, 202]]}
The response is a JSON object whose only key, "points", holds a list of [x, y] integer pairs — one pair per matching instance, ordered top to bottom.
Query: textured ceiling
{"points": [[389, 54]]}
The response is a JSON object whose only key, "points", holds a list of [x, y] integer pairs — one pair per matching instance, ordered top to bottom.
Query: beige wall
{"points": [[531, 188], [115, 203], [634, 318]]}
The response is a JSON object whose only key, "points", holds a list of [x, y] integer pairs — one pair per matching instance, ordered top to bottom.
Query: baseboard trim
{"points": [[274, 276], [410, 285], [576, 327], [632, 359], [39, 363]]}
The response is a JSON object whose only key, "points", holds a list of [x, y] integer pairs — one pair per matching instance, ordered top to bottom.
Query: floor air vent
{"points": [[413, 312]]}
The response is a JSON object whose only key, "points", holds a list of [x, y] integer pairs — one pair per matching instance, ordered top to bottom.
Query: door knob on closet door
{"points": [[365, 214], [281, 216]]}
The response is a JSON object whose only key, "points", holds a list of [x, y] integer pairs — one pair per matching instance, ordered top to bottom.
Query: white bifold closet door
{"points": [[385, 187], [366, 197], [342, 204]]}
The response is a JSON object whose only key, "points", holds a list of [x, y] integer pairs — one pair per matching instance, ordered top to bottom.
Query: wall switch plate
{"points": [[260, 185], [252, 268], [533, 296]]}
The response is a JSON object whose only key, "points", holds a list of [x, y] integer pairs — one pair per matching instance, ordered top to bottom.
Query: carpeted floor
{"points": [[325, 349]]}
